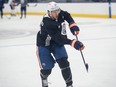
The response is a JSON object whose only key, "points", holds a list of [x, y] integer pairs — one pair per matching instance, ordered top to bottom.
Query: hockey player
{"points": [[23, 3], [12, 4], [1, 7], [51, 40]]}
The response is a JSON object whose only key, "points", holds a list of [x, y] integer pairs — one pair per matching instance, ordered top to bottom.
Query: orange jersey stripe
{"points": [[73, 24], [73, 43]]}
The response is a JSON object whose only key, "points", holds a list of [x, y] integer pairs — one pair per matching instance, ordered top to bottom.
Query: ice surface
{"points": [[19, 65]]}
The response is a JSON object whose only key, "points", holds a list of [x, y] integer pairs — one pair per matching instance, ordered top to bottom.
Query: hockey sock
{"points": [[25, 14], [21, 15], [65, 69]]}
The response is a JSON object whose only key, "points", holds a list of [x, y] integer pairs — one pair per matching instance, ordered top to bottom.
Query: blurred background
{"points": [[67, 1]]}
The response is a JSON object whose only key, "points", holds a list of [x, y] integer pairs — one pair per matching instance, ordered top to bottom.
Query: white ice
{"points": [[19, 65]]}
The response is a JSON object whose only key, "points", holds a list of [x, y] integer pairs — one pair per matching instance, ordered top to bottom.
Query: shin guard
{"points": [[65, 69]]}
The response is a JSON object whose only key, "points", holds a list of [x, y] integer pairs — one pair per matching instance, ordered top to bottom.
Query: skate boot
{"points": [[44, 81]]}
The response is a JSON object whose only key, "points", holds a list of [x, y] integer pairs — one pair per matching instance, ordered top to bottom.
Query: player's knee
{"points": [[63, 63], [46, 72]]}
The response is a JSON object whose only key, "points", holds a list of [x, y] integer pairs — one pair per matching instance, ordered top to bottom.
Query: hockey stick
{"points": [[36, 3], [33, 5], [86, 64]]}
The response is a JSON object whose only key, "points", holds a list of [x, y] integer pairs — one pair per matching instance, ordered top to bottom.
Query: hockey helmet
{"points": [[52, 6]]}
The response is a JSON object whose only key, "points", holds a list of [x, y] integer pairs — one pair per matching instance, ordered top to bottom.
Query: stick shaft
{"points": [[86, 65]]}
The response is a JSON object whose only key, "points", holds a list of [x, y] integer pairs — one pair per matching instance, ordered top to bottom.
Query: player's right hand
{"points": [[77, 44]]}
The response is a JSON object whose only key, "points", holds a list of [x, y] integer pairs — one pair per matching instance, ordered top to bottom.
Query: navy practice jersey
{"points": [[54, 31]]}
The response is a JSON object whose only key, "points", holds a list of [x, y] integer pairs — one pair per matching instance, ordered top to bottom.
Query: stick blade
{"points": [[87, 66]]}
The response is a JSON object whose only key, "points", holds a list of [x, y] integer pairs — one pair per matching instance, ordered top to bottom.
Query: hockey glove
{"points": [[74, 28], [77, 44]]}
